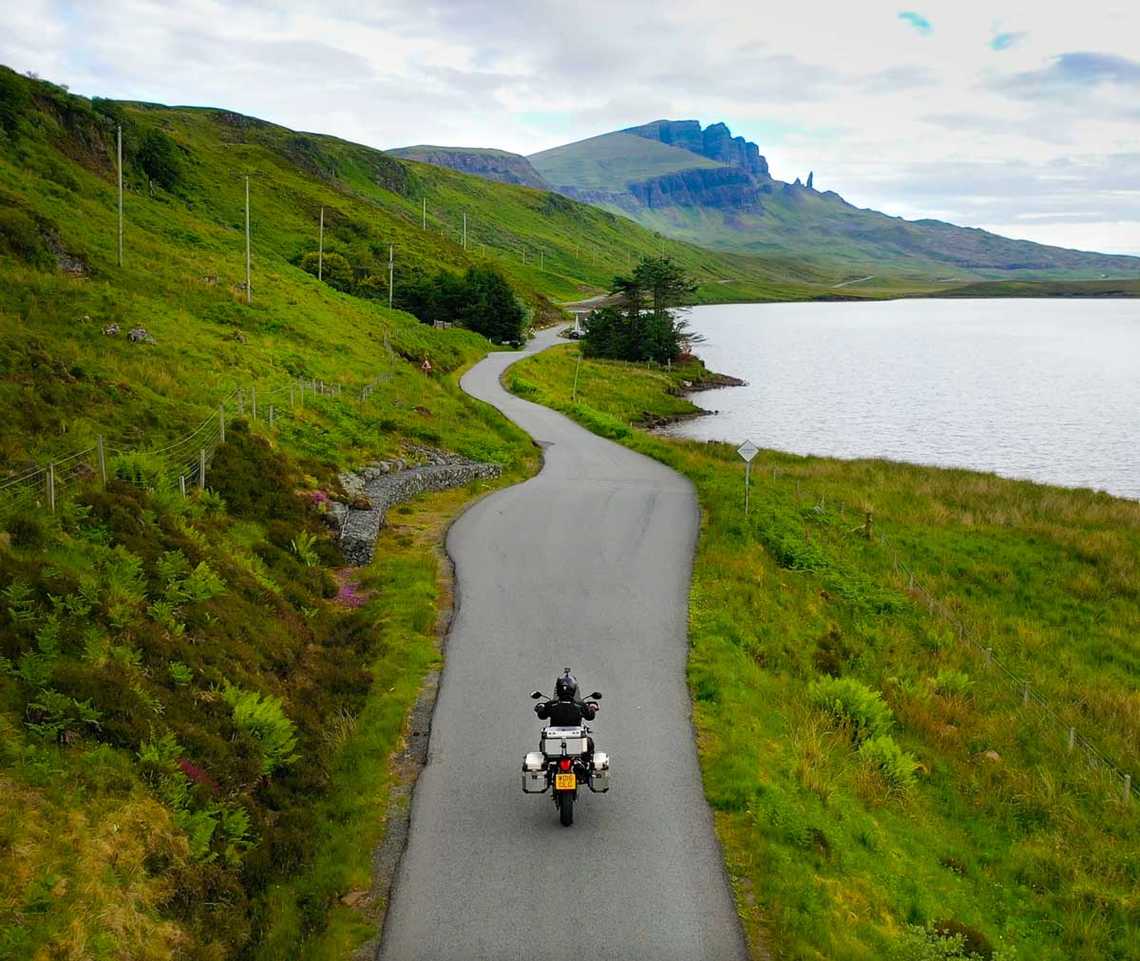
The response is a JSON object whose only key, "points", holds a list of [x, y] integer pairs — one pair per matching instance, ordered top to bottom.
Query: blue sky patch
{"points": [[918, 21], [1003, 41]]}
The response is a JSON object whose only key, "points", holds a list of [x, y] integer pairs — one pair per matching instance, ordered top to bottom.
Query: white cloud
{"points": [[915, 123]]}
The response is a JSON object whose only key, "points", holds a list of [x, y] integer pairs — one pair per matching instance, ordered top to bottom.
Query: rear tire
{"points": [[566, 808]]}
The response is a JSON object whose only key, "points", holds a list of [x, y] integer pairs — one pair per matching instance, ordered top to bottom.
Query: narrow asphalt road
{"points": [[586, 565]]}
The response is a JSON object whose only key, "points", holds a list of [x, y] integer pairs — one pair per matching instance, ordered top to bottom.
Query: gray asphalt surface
{"points": [[586, 565]]}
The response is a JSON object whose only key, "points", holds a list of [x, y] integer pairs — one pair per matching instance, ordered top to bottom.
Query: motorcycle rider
{"points": [[566, 709]]}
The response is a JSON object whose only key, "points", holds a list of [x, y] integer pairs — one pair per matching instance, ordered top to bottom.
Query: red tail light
{"points": [[564, 764]]}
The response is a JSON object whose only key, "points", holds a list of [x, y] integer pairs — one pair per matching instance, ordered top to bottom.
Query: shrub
{"points": [[14, 99], [158, 157], [20, 238], [336, 271], [254, 480], [26, 532], [303, 545], [180, 674], [953, 684], [853, 705], [263, 718], [883, 756], [945, 941]]}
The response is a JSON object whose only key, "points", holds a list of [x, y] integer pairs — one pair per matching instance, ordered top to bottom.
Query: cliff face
{"points": [[715, 142], [497, 165], [720, 187]]}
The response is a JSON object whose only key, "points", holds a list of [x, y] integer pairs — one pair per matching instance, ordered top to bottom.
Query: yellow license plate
{"points": [[565, 782]]}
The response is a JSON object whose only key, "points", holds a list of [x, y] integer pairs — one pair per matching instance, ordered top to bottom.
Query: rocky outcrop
{"points": [[715, 142], [498, 165], [811, 180], [724, 188], [601, 198], [385, 483]]}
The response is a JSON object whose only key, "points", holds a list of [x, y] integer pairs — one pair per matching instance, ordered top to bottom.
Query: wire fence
{"points": [[183, 462], [1020, 685]]}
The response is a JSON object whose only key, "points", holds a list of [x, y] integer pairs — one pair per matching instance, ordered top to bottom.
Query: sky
{"points": [[1020, 116]]}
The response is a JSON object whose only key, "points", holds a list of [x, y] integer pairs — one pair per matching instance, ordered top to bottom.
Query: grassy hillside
{"points": [[611, 161], [498, 165], [821, 228], [197, 702], [877, 778]]}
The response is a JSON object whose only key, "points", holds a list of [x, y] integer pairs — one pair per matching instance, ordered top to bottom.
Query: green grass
{"points": [[194, 729], [842, 845]]}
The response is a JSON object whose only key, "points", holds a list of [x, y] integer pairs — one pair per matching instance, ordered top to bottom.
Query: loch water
{"points": [[1047, 390]]}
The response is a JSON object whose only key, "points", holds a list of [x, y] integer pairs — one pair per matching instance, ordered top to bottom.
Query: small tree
{"points": [[158, 157], [336, 272], [492, 308], [644, 325]]}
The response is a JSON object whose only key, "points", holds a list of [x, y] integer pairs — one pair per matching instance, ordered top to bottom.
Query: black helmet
{"points": [[566, 687]]}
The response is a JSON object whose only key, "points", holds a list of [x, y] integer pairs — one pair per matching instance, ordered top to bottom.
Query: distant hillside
{"points": [[613, 161], [498, 165], [711, 188]]}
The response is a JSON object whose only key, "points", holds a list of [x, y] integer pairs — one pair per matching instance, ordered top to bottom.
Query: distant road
{"points": [[857, 280], [585, 565]]}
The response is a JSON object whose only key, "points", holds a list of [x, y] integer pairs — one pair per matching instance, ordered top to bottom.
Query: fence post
{"points": [[302, 386], [291, 387], [253, 402], [241, 403], [271, 417], [221, 423], [102, 459], [201, 468], [182, 484], [51, 487], [868, 520], [989, 656], [1025, 693], [1072, 737], [1127, 788]]}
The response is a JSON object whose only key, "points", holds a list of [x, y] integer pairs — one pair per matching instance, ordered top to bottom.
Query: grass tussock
{"points": [[880, 789]]}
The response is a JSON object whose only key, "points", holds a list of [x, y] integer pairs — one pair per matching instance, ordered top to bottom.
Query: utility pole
{"points": [[120, 195], [321, 249], [391, 255], [248, 287]]}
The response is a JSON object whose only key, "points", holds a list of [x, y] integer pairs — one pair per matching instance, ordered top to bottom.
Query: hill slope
{"points": [[498, 165], [710, 188]]}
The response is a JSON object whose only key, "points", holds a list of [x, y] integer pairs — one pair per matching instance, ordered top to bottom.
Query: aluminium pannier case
{"points": [[563, 741], [534, 773], [600, 773]]}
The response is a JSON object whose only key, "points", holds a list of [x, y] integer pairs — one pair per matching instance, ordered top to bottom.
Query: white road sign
{"points": [[748, 450]]}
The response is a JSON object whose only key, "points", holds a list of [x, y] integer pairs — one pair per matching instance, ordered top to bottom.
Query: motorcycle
{"points": [[563, 762]]}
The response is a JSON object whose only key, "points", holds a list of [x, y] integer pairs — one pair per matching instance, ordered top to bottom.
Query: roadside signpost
{"points": [[747, 451]]}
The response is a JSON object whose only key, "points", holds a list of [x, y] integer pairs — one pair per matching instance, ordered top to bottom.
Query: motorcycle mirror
{"points": [[536, 695], [596, 696]]}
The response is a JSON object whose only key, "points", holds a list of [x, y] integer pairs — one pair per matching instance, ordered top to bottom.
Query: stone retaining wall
{"points": [[359, 528]]}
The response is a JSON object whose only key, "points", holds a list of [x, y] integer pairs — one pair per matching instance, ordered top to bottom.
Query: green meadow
{"points": [[881, 788]]}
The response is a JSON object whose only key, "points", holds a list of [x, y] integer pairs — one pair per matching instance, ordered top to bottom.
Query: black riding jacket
{"points": [[565, 713]]}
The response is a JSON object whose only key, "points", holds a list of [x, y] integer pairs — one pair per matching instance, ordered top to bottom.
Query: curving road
{"points": [[585, 565]]}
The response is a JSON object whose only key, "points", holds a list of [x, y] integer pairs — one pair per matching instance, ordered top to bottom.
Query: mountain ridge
{"points": [[501, 166], [708, 187]]}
